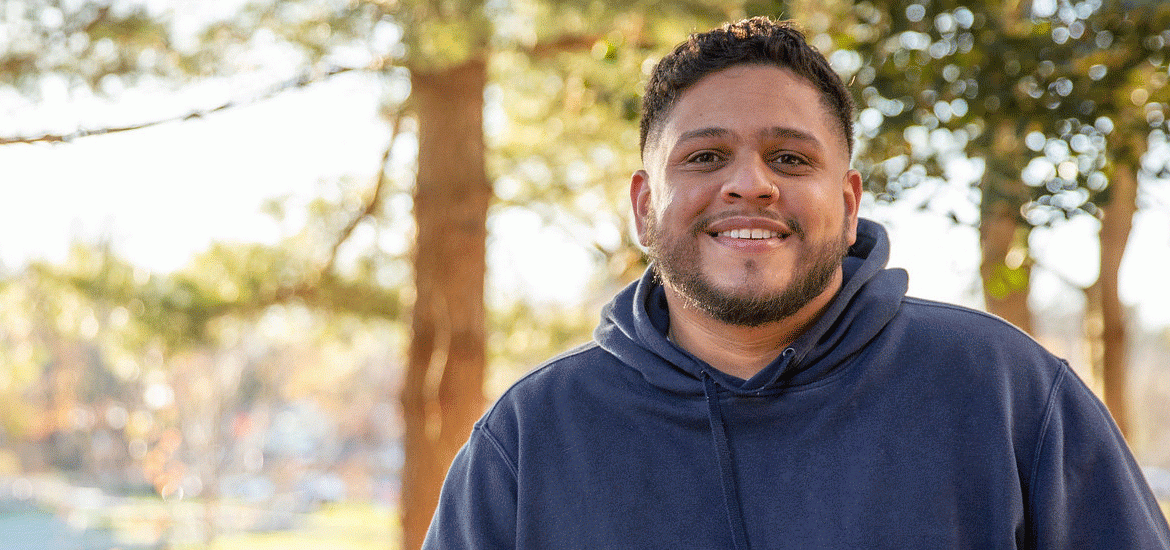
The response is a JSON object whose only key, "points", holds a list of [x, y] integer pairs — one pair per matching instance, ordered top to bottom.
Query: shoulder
{"points": [[953, 315], [947, 324], [973, 351], [570, 367], [985, 367], [555, 382], [557, 397]]}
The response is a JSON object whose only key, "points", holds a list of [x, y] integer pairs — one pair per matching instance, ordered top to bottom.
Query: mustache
{"points": [[700, 226]]}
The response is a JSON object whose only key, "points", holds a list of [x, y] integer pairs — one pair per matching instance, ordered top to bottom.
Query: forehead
{"points": [[751, 100]]}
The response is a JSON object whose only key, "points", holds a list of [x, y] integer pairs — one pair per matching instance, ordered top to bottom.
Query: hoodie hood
{"points": [[634, 327]]}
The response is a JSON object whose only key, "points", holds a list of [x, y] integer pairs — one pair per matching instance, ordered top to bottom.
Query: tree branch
{"points": [[564, 43], [300, 82], [372, 204]]}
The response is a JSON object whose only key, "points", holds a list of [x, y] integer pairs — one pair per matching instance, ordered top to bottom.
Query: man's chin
{"points": [[748, 284], [741, 294], [727, 303]]}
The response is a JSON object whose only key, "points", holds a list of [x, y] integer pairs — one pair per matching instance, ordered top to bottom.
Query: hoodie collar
{"points": [[634, 327]]}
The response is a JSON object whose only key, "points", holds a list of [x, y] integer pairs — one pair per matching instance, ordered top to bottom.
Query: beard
{"points": [[678, 265]]}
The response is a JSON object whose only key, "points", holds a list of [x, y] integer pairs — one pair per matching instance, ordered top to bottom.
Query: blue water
{"points": [[39, 530]]}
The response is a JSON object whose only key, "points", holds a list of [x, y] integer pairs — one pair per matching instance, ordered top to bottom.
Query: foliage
{"points": [[89, 44], [1034, 96]]}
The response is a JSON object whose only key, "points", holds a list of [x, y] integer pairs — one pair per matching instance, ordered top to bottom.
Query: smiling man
{"points": [[747, 205], [767, 383]]}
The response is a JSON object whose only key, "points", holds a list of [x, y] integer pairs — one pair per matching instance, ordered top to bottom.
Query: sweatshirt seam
{"points": [[962, 309], [579, 350], [482, 425], [1045, 425], [499, 447]]}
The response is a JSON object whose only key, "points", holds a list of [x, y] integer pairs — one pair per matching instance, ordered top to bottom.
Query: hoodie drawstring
{"points": [[726, 471]]}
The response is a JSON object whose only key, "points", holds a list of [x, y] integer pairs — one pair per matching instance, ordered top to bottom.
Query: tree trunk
{"points": [[1116, 223], [1005, 267], [1094, 341], [442, 394]]}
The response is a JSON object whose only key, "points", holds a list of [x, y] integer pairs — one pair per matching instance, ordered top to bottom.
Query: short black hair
{"points": [[758, 40]]}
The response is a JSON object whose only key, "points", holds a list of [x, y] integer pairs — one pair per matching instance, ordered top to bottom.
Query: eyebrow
{"points": [[709, 132], [775, 132], [780, 132]]}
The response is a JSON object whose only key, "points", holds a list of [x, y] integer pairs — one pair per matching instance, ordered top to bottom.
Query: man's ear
{"points": [[851, 191], [640, 201]]}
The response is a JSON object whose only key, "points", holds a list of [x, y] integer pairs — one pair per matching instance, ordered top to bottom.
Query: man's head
{"points": [[752, 41], [746, 202]]}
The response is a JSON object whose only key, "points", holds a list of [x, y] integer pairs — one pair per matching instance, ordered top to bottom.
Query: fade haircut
{"points": [[759, 41]]}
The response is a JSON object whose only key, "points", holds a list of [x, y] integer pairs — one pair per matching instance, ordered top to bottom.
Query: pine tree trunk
{"points": [[1116, 223], [1005, 267], [1006, 279], [442, 394]]}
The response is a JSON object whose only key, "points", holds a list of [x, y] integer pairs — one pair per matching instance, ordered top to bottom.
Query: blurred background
{"points": [[263, 263]]}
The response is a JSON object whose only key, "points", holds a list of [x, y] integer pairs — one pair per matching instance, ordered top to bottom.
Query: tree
{"points": [[947, 73], [1121, 77], [1035, 95]]}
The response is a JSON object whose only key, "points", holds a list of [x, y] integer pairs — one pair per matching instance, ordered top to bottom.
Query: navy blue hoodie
{"points": [[892, 422]]}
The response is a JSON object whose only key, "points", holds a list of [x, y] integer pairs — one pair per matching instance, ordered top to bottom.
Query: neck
{"points": [[737, 350]]}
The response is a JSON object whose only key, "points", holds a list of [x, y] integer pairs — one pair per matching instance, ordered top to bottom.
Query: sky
{"points": [[165, 193]]}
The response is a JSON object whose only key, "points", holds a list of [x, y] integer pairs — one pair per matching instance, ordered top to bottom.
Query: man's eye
{"points": [[705, 157], [789, 159]]}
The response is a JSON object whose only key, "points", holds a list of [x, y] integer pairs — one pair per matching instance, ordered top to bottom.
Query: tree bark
{"points": [[1116, 223], [1005, 266], [1006, 279], [442, 395]]}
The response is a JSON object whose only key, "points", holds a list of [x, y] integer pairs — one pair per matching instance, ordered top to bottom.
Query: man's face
{"points": [[747, 203]]}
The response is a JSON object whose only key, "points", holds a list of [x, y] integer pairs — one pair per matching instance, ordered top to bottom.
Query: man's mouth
{"points": [[749, 229], [755, 234]]}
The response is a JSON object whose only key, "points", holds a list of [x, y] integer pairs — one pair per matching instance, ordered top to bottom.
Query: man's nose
{"points": [[753, 181]]}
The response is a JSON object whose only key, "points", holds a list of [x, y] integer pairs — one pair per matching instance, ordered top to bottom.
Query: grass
{"points": [[341, 526], [346, 526]]}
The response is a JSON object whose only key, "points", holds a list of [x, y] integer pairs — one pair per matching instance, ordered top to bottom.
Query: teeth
{"points": [[750, 234]]}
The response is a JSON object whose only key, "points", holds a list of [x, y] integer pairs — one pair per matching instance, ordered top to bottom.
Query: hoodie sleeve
{"points": [[1086, 489], [477, 506]]}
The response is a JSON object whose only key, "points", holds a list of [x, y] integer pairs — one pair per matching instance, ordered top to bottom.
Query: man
{"points": [[767, 384]]}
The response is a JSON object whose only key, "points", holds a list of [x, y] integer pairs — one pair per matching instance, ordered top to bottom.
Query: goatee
{"points": [[677, 263]]}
